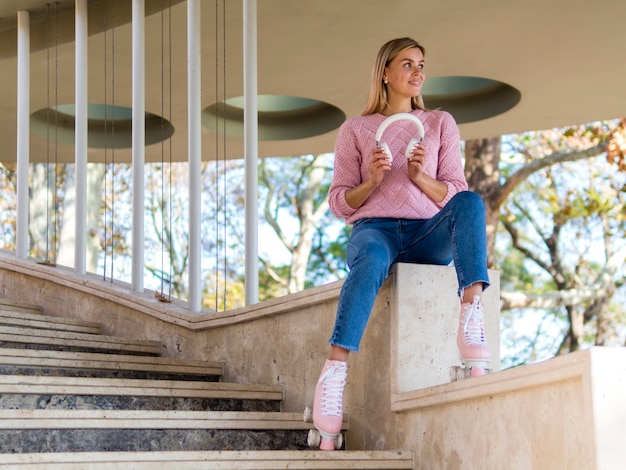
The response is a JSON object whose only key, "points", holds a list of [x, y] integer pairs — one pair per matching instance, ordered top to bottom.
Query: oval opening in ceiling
{"points": [[468, 98], [280, 117], [107, 126]]}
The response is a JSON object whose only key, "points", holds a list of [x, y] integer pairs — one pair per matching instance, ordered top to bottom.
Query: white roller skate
{"points": [[471, 341], [328, 407]]}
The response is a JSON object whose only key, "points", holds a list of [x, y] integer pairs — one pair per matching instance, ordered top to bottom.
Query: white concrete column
{"points": [[194, 99], [23, 131], [81, 132], [139, 142], [251, 150]]}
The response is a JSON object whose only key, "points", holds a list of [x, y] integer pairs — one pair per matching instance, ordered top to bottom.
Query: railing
{"points": [[139, 142]]}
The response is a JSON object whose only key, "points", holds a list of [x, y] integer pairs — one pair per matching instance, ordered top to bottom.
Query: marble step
{"points": [[14, 306], [12, 317], [34, 338], [85, 364], [37, 392], [130, 430], [212, 460]]}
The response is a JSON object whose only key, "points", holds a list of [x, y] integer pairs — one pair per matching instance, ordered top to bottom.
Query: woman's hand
{"points": [[416, 164], [378, 166]]}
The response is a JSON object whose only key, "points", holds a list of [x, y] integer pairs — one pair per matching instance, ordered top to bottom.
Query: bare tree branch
{"points": [[499, 196], [267, 209], [515, 238], [272, 273], [599, 289]]}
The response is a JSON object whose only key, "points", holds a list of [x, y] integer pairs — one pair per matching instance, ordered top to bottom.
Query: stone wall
{"points": [[566, 413]]}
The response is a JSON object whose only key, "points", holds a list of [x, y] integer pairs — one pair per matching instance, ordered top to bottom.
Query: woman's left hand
{"points": [[416, 164]]}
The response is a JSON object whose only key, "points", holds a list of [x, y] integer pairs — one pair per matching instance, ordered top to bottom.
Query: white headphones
{"points": [[397, 117]]}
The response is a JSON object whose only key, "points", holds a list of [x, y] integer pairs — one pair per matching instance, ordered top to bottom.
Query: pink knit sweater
{"points": [[397, 196]]}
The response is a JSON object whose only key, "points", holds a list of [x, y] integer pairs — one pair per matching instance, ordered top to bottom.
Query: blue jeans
{"points": [[457, 233]]}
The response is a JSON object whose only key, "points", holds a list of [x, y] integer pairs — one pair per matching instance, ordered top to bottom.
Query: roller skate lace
{"points": [[474, 324], [333, 382]]}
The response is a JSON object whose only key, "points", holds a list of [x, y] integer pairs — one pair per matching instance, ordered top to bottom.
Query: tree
{"points": [[483, 169], [298, 188], [294, 200], [546, 205], [166, 227], [571, 238]]}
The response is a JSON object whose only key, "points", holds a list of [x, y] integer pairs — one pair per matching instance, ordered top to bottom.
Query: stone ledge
{"points": [[175, 312], [18, 318], [49, 339], [34, 358], [507, 381], [10, 384], [565, 413], [154, 419], [240, 460]]}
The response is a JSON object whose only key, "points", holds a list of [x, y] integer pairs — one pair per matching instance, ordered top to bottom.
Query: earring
{"points": [[385, 81]]}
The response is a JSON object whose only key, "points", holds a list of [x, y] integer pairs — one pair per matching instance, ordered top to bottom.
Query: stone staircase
{"points": [[71, 397]]}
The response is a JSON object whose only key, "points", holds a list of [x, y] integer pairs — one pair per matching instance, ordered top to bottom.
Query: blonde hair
{"points": [[377, 100]]}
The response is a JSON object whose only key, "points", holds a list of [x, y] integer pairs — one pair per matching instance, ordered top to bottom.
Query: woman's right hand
{"points": [[379, 164]]}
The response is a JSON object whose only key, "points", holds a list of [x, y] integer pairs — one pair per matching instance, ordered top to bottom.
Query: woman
{"points": [[410, 208]]}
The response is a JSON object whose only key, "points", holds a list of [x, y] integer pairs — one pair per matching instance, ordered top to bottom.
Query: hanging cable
{"points": [[104, 27], [169, 117], [109, 124], [56, 131], [47, 132], [217, 135], [113, 145], [166, 187], [220, 198], [51, 238], [225, 245], [160, 295]]}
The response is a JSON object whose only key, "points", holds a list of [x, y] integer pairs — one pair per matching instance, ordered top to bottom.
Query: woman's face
{"points": [[405, 74]]}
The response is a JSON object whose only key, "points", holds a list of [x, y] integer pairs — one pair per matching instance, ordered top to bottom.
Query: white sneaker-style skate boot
{"points": [[471, 339], [328, 404]]}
